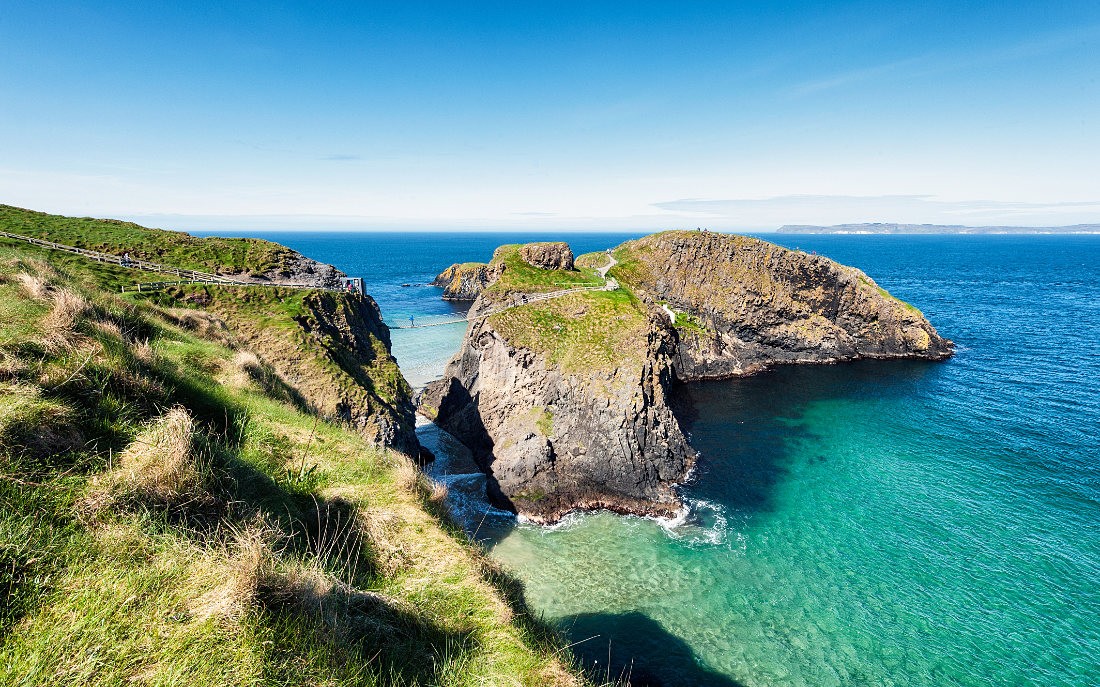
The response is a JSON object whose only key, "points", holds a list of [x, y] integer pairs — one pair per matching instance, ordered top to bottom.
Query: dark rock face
{"points": [[548, 256], [303, 270], [466, 281], [755, 304], [348, 329], [335, 360], [552, 441]]}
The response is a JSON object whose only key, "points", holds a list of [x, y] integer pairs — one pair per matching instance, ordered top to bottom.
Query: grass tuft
{"points": [[161, 468]]}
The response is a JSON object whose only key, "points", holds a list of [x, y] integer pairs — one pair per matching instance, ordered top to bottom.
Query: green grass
{"points": [[251, 256], [520, 277], [689, 323], [598, 330], [544, 421], [301, 555]]}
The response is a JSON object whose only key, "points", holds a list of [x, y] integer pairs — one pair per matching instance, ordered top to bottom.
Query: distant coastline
{"points": [[893, 228]]}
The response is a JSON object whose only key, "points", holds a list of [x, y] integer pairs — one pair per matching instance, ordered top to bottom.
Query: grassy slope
{"points": [[253, 256], [519, 276], [267, 319], [584, 331], [580, 332], [294, 553]]}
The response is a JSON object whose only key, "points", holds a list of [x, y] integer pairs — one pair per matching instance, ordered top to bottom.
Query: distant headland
{"points": [[893, 228]]}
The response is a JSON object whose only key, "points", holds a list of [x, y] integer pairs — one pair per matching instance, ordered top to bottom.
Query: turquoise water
{"points": [[878, 523]]}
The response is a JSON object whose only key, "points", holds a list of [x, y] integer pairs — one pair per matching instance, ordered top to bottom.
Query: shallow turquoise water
{"points": [[878, 523]]}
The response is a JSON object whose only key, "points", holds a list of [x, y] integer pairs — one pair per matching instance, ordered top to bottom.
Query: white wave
{"points": [[698, 522]]}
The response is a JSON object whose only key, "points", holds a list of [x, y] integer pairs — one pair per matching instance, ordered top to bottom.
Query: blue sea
{"points": [[874, 523]]}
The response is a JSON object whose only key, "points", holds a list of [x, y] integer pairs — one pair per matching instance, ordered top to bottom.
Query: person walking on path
{"points": [[126, 259]]}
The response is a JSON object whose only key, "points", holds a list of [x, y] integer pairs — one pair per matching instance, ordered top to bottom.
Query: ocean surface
{"points": [[875, 523]]}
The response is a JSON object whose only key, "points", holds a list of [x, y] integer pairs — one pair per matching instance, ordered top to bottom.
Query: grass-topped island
{"points": [[563, 400]]}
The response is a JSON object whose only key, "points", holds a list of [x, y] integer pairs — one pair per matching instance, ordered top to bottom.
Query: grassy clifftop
{"points": [[220, 255], [597, 330], [333, 348], [175, 509]]}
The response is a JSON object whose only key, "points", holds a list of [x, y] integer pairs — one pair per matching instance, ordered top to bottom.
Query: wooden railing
{"points": [[183, 276]]}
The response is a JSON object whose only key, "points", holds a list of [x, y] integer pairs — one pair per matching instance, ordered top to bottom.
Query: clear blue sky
{"points": [[552, 115]]}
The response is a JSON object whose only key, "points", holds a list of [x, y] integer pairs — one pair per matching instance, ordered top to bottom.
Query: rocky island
{"points": [[561, 385]]}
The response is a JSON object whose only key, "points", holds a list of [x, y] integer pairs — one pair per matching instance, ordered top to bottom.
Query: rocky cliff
{"points": [[554, 255], [465, 281], [743, 304], [332, 350], [564, 401], [556, 435]]}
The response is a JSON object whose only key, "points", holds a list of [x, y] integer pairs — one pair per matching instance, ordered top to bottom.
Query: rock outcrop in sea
{"points": [[464, 281], [564, 402]]}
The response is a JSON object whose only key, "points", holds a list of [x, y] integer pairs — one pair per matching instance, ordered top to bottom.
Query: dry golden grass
{"points": [[34, 286], [67, 311], [202, 324], [110, 328], [11, 366], [242, 369], [34, 425], [161, 466], [407, 475], [251, 566]]}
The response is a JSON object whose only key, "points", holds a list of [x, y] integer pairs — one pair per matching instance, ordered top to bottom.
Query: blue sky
{"points": [[570, 115]]}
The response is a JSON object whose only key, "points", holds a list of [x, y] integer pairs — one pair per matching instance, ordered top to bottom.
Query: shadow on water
{"points": [[746, 430], [749, 432], [641, 652]]}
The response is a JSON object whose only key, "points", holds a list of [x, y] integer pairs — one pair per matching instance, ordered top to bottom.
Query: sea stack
{"points": [[564, 401]]}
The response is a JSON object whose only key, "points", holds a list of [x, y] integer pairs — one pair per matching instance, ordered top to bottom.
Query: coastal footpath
{"points": [[564, 402], [218, 484]]}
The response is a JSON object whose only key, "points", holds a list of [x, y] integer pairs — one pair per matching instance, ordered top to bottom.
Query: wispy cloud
{"points": [[933, 64], [855, 76], [342, 157]]}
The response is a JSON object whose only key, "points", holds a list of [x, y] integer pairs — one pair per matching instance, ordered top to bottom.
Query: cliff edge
{"points": [[742, 305], [564, 401]]}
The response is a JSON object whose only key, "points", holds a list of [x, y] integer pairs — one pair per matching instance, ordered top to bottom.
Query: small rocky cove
{"points": [[564, 403]]}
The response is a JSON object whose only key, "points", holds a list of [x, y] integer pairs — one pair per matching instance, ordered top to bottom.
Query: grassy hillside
{"points": [[221, 255], [519, 276], [597, 330], [332, 348], [173, 511]]}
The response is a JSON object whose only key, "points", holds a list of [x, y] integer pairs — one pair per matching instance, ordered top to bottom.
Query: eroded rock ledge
{"points": [[564, 402]]}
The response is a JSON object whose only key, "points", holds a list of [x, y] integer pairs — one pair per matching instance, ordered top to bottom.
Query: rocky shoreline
{"points": [[564, 403]]}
